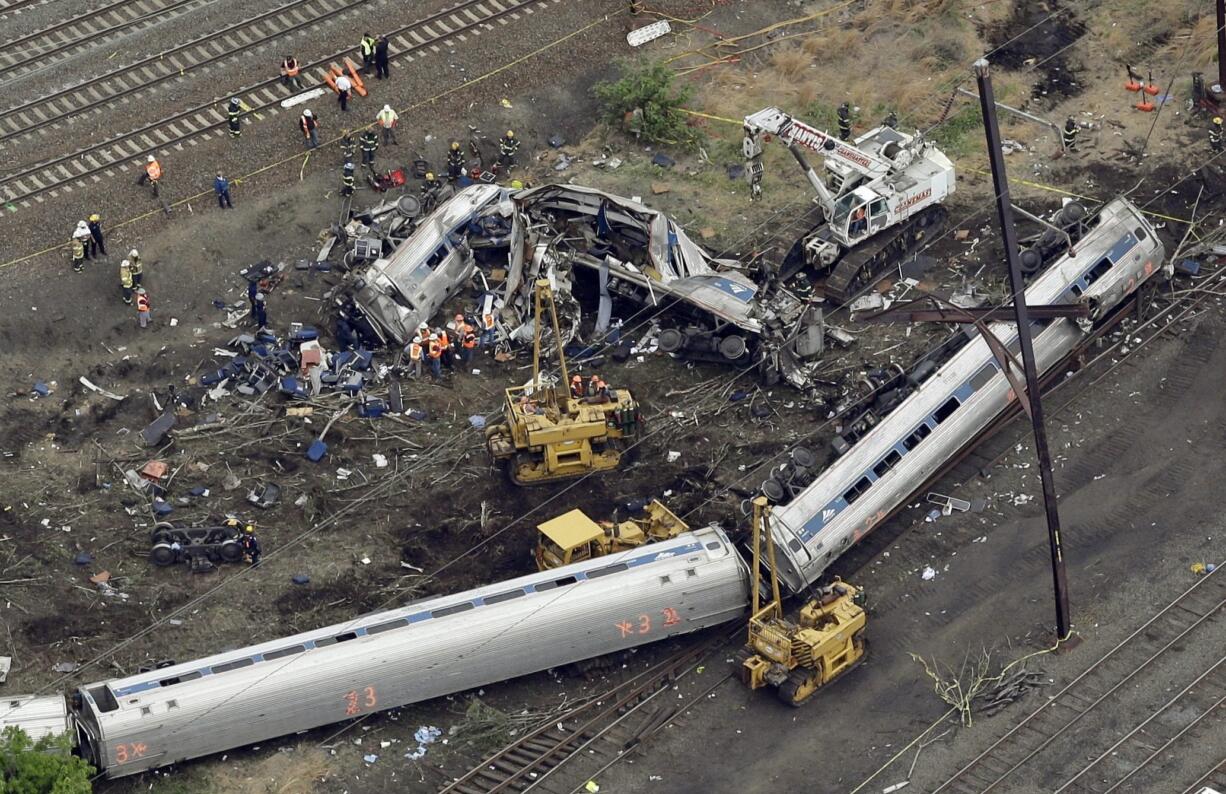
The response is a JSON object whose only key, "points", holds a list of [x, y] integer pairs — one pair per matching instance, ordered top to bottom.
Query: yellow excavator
{"points": [[550, 435], [574, 537], [798, 658]]}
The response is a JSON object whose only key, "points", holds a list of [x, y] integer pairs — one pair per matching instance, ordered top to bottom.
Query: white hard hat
{"points": [[387, 107], [307, 113], [151, 158], [82, 225], [133, 253], [125, 263], [259, 296], [424, 325], [434, 337], [417, 340]]}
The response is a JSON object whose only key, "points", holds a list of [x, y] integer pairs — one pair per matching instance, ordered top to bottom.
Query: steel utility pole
{"points": [[1221, 44], [1000, 183]]}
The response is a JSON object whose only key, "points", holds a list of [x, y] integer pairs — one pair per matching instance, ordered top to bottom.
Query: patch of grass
{"points": [[962, 132]]}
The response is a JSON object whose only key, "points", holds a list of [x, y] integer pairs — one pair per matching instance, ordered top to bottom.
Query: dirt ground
{"points": [[367, 539]]}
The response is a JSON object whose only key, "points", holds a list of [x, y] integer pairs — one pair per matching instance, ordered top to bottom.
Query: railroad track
{"points": [[19, 6], [44, 48], [172, 64], [26, 185], [592, 736], [1047, 746], [1215, 779]]}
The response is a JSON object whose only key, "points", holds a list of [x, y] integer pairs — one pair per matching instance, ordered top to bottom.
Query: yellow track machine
{"points": [[548, 435], [798, 658]]}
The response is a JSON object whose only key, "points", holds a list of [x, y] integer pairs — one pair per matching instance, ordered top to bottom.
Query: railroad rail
{"points": [[19, 6], [43, 48], [171, 64], [25, 185], [1154, 651], [593, 735], [1215, 779]]}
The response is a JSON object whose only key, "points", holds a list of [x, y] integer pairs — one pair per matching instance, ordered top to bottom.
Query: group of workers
{"points": [[89, 242], [439, 348], [596, 390]]}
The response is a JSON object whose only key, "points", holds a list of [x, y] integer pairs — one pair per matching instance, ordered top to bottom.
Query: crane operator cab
{"points": [[860, 214]]}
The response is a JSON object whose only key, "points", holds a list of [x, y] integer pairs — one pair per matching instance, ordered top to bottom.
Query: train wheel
{"points": [[230, 551], [162, 555]]}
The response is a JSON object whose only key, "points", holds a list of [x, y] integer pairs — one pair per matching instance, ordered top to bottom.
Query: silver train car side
{"points": [[859, 490], [425, 650]]}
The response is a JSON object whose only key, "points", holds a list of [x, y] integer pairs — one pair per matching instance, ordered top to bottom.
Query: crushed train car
{"points": [[713, 309]]}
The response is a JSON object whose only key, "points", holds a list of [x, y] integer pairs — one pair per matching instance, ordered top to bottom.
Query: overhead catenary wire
{"points": [[476, 548]]}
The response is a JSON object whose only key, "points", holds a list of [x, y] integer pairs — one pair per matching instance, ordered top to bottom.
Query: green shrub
{"points": [[653, 89], [46, 766]]}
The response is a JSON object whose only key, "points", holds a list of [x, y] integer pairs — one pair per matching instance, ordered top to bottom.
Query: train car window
{"points": [[1140, 233], [1098, 271], [1076, 290], [983, 377], [946, 410], [912, 441], [887, 463], [857, 490], [794, 544], [714, 545], [608, 569], [555, 583], [500, 597], [452, 610], [379, 628], [333, 640], [283, 652], [234, 665], [192, 676], [105, 699], [172, 704]]}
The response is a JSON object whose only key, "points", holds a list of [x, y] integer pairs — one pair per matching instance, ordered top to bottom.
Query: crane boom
{"points": [[793, 131]]}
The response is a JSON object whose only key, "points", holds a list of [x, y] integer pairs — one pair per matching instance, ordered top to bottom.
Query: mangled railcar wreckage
{"points": [[709, 308]]}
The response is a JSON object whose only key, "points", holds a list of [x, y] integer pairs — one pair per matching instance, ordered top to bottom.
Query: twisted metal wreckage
{"points": [[405, 267]]}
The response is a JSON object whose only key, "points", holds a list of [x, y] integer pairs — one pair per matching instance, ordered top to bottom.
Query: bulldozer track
{"points": [[45, 47], [35, 183], [1107, 689], [592, 736]]}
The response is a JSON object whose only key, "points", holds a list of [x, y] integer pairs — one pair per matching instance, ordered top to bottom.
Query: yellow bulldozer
{"points": [[550, 435], [574, 537], [798, 658]]}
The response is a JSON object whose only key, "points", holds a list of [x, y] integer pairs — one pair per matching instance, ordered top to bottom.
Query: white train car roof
{"points": [[799, 525], [707, 540], [424, 650], [37, 715]]}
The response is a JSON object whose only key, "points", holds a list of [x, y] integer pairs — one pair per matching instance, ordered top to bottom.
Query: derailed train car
{"points": [[950, 406], [425, 650]]}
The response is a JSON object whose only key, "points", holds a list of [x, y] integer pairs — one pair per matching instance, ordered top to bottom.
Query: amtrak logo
{"points": [[828, 514]]}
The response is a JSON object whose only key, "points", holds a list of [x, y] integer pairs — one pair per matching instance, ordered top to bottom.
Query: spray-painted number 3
{"points": [[356, 702], [130, 752]]}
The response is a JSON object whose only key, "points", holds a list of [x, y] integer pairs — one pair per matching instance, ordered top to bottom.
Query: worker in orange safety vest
{"points": [[289, 72], [153, 171], [488, 331], [467, 340], [444, 342], [415, 351], [434, 351], [576, 387]]}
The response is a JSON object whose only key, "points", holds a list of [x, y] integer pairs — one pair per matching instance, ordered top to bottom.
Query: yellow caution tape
{"points": [[1052, 189]]}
